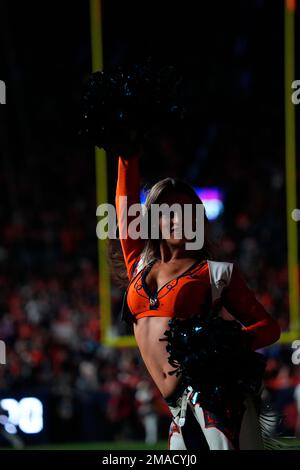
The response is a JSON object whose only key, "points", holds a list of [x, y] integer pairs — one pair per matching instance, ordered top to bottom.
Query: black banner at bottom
{"points": [[135, 459]]}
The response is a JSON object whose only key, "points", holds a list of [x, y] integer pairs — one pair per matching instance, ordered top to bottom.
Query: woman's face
{"points": [[172, 224]]}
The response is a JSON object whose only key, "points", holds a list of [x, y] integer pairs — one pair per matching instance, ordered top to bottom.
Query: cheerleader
{"points": [[166, 281]]}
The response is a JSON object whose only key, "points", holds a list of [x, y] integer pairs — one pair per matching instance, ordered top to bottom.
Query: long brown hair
{"points": [[151, 250]]}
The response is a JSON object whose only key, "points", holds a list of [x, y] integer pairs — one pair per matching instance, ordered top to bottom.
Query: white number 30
{"points": [[27, 413]]}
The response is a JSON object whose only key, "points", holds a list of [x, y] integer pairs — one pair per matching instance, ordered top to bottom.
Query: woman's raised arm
{"points": [[128, 184]]}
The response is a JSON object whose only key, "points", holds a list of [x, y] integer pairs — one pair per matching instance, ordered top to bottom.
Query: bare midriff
{"points": [[148, 331]]}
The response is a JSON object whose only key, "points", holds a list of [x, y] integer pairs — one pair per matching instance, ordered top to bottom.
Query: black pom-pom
{"points": [[120, 106], [214, 357]]}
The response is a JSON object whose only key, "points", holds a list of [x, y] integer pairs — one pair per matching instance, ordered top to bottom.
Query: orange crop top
{"points": [[189, 293]]}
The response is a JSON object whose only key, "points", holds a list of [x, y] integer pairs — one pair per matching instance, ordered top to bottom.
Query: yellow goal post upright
{"points": [[290, 173], [107, 337]]}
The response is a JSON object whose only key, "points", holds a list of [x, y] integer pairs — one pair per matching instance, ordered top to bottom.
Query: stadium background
{"points": [[232, 56]]}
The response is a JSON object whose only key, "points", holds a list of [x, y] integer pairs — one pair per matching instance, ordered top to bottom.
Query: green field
{"points": [[288, 444], [118, 445]]}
